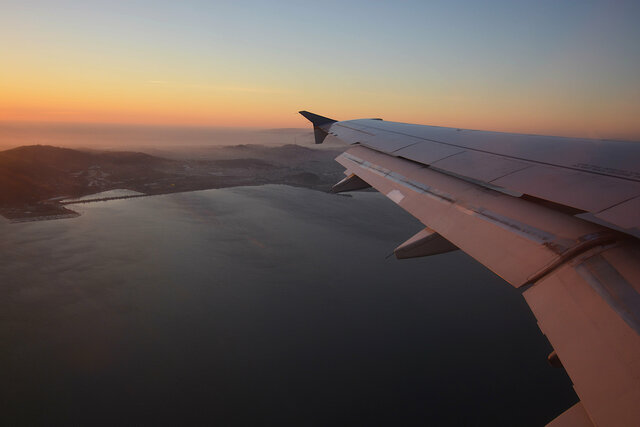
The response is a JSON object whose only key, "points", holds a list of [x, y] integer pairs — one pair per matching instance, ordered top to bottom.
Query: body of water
{"points": [[264, 305]]}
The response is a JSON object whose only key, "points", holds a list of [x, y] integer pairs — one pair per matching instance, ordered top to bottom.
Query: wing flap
{"points": [[516, 239], [599, 349]]}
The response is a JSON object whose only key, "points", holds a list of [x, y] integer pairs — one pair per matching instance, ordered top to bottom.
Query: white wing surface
{"points": [[558, 218]]}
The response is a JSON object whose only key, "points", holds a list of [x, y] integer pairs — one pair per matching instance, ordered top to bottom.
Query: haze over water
{"points": [[259, 306]]}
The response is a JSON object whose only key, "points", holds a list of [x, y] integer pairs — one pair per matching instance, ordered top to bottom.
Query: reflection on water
{"points": [[259, 305]]}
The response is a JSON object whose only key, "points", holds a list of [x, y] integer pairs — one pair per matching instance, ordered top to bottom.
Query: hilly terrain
{"points": [[35, 179]]}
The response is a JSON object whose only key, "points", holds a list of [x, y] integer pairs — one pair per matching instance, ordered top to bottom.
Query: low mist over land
{"points": [[141, 137]]}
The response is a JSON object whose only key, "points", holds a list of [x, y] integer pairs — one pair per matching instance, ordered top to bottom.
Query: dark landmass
{"points": [[36, 179]]}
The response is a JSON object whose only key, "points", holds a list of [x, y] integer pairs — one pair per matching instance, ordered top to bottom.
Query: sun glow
{"points": [[529, 71]]}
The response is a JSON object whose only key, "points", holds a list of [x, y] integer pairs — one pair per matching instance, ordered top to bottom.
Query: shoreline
{"points": [[74, 214], [43, 218]]}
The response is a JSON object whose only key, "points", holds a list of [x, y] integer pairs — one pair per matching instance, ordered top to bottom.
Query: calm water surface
{"points": [[259, 306]]}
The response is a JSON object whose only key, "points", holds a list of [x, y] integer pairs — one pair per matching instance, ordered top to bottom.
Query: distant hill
{"points": [[37, 172], [34, 178]]}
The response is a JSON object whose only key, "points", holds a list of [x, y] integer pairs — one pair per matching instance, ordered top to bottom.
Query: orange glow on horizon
{"points": [[526, 69], [32, 94], [262, 116]]}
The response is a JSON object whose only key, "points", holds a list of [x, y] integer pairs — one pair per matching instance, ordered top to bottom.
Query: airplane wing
{"points": [[558, 218]]}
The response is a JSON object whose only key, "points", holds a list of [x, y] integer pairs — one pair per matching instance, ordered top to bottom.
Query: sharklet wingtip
{"points": [[316, 119], [318, 123]]}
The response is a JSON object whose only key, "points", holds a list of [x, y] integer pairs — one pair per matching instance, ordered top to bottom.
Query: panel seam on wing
{"points": [[500, 155]]}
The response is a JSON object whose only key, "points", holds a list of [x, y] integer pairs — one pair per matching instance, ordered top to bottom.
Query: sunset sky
{"points": [[555, 67]]}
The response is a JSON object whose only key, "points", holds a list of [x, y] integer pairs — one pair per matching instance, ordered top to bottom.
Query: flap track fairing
{"points": [[351, 183], [424, 243]]}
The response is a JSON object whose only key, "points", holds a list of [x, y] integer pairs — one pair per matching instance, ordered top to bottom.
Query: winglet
{"points": [[316, 119], [319, 125]]}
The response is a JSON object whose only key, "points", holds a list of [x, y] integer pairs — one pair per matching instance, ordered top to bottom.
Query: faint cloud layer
{"points": [[209, 87]]}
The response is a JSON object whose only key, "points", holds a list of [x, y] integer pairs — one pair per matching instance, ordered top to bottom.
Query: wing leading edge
{"points": [[576, 262]]}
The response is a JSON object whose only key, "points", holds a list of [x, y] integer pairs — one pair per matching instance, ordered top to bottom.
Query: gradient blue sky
{"points": [[565, 67]]}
